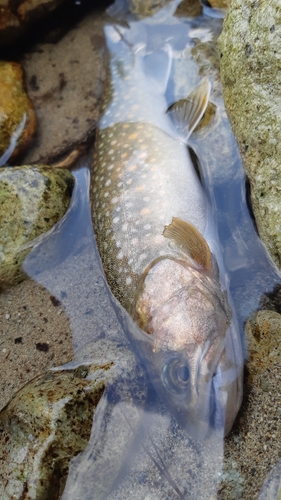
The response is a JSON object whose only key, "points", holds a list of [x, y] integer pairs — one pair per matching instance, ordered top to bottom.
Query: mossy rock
{"points": [[251, 75], [14, 104], [32, 200]]}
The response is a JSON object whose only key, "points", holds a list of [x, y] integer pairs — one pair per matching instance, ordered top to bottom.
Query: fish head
{"points": [[185, 317]]}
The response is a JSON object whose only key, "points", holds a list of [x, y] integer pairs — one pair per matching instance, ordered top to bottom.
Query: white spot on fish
{"points": [[113, 142], [111, 152], [110, 167], [108, 182], [106, 194], [115, 199], [116, 220], [147, 226], [125, 227], [134, 241], [118, 244], [120, 255], [128, 280]]}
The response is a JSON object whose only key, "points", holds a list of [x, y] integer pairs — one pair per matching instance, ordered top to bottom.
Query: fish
{"points": [[157, 238]]}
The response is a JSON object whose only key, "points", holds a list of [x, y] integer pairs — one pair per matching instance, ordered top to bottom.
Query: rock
{"points": [[219, 4], [190, 8], [15, 18], [251, 76], [66, 97], [14, 104], [32, 200], [263, 333], [49, 422], [45, 424], [271, 489]]}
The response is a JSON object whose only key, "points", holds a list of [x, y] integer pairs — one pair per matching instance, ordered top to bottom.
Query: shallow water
{"points": [[163, 461]]}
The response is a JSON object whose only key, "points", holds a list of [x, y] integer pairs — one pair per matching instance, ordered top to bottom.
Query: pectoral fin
{"points": [[187, 113], [186, 235]]}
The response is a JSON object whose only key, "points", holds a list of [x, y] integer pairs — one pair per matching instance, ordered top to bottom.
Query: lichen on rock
{"points": [[251, 77], [32, 200], [45, 424]]}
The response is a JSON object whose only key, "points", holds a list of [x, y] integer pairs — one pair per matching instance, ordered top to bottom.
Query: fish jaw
{"points": [[186, 317]]}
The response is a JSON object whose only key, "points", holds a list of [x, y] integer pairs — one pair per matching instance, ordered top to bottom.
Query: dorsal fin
{"points": [[186, 113], [188, 236]]}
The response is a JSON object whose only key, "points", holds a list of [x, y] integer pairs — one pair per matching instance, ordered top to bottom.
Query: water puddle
{"points": [[138, 450]]}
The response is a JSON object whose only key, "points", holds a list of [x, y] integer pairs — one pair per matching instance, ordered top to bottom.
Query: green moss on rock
{"points": [[251, 77], [14, 102], [32, 200]]}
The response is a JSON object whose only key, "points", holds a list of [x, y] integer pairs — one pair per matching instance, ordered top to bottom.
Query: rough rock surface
{"points": [[15, 17], [251, 76], [14, 103], [32, 200], [49, 421], [46, 423], [271, 489]]}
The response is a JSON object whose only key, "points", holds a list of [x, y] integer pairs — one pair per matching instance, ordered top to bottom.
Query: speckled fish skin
{"points": [[142, 178]]}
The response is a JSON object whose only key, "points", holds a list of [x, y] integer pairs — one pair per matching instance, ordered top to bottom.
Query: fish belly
{"points": [[142, 177]]}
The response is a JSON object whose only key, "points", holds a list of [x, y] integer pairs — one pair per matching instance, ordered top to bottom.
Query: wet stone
{"points": [[250, 47], [14, 104], [32, 200], [45, 424], [46, 428], [271, 489]]}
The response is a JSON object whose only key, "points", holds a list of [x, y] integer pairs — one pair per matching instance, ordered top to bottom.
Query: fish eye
{"points": [[183, 373], [175, 375]]}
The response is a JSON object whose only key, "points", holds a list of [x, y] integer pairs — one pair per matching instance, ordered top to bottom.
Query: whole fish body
{"points": [[157, 240]]}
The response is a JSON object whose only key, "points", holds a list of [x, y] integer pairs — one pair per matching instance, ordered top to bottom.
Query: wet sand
{"points": [[35, 335]]}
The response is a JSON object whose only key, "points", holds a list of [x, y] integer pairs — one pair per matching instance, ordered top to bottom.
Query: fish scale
{"points": [[133, 184]]}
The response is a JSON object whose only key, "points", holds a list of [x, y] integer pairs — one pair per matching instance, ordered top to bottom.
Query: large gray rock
{"points": [[251, 76], [32, 200]]}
